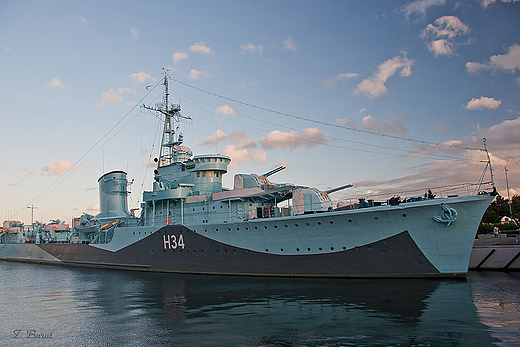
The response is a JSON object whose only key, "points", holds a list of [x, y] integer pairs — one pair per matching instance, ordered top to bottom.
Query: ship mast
{"points": [[172, 115]]}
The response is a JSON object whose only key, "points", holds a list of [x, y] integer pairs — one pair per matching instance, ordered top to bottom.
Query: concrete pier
{"points": [[496, 253]]}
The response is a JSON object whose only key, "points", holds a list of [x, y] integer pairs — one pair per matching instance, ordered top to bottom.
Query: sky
{"points": [[390, 96]]}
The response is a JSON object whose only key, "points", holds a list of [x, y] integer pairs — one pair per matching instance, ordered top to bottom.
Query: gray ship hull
{"points": [[385, 241], [397, 256]]}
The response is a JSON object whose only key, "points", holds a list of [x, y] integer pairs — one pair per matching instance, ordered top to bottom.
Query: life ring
{"points": [[167, 221], [54, 228], [67, 228]]}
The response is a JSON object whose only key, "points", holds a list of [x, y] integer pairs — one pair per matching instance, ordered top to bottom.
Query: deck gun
{"points": [[272, 172], [338, 188]]}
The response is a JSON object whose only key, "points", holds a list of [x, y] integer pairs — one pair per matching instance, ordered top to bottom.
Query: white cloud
{"points": [[486, 3], [421, 6], [84, 20], [134, 33], [440, 36], [289, 45], [200, 47], [251, 48], [179, 56], [509, 61], [506, 62], [473, 67], [196, 74], [140, 77], [330, 83], [55, 84], [374, 86], [112, 96], [483, 102], [224, 111], [348, 122], [383, 126], [438, 127], [504, 135], [308, 138], [502, 138], [238, 139], [238, 148], [238, 155], [58, 168], [94, 207]]}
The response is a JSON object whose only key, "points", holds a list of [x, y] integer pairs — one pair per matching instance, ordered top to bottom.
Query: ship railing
{"points": [[407, 196]]}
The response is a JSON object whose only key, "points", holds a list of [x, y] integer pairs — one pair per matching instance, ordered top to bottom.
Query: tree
{"points": [[497, 210]]}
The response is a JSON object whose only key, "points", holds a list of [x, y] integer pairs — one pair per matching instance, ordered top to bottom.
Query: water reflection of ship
{"points": [[289, 311]]}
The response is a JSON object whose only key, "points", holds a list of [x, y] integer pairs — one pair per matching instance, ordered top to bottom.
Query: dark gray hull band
{"points": [[396, 256]]}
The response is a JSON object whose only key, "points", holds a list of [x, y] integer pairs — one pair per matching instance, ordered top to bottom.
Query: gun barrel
{"points": [[272, 172], [338, 188]]}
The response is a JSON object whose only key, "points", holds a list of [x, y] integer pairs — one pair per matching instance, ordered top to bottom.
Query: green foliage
{"points": [[497, 210], [486, 228]]}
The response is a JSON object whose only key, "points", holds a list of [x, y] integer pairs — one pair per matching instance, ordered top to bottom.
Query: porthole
{"points": [[404, 214], [376, 218], [350, 220], [331, 222], [319, 223], [307, 224], [296, 225], [276, 226], [286, 226], [247, 228], [256, 228], [229, 229], [238, 229], [205, 230], [216, 230], [319, 248], [331, 248], [344, 248], [297, 249], [309, 249], [266, 250], [281, 250]]}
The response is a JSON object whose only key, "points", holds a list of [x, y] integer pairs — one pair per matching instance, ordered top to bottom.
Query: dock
{"points": [[496, 253]]}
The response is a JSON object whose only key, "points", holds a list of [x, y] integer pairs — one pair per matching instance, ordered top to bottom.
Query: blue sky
{"points": [[428, 74]]}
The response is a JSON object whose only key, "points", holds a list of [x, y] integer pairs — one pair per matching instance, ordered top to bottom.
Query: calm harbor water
{"points": [[59, 306]]}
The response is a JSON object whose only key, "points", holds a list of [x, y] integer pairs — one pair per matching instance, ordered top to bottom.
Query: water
{"points": [[59, 306]]}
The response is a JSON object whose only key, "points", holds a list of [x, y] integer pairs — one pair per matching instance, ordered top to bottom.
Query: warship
{"points": [[190, 223]]}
